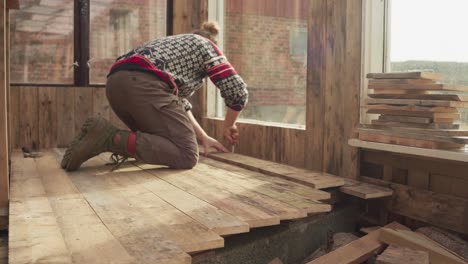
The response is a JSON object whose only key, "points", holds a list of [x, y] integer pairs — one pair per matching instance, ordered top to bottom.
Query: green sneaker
{"points": [[96, 136]]}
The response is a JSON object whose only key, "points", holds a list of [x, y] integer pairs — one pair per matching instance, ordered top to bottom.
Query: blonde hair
{"points": [[209, 30]]}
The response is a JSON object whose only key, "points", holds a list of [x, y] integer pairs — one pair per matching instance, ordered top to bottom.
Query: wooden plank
{"points": [[13, 4], [406, 75], [401, 81], [424, 87], [430, 97], [417, 102], [101, 105], [83, 106], [415, 108], [396, 112], [65, 115], [408, 119], [47, 123], [415, 125], [421, 131], [415, 135], [29, 136], [408, 142], [4, 148], [418, 179], [316, 180], [276, 182], [365, 190], [260, 201], [306, 205], [240, 207], [143, 210], [441, 210], [215, 219], [367, 230], [34, 234], [86, 237], [415, 241], [357, 251], [397, 255]]}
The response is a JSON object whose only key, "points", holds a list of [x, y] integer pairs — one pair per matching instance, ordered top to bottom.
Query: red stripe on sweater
{"points": [[223, 75]]}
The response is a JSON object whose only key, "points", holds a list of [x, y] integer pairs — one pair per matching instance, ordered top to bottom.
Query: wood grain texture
{"points": [[406, 75], [446, 97], [417, 102], [65, 116], [47, 122], [416, 135], [413, 141], [4, 148], [318, 180], [365, 190], [441, 210], [357, 251], [437, 254], [396, 255]]}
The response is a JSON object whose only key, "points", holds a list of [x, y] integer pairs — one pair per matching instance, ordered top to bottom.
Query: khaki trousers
{"points": [[147, 105]]}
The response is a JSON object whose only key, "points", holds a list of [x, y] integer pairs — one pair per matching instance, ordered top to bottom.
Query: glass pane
{"points": [[118, 26], [427, 35], [266, 41], [42, 42]]}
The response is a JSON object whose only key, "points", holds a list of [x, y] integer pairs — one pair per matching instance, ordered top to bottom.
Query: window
{"points": [[118, 26], [417, 35], [76, 41], [266, 41], [42, 42]]}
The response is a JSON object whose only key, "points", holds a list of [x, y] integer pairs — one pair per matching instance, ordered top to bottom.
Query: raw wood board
{"points": [[406, 75], [423, 87], [429, 97], [416, 102], [435, 109], [396, 112], [408, 119], [432, 126], [421, 131], [414, 135], [408, 141], [318, 180], [276, 182], [215, 184], [365, 190], [307, 205], [241, 207], [129, 210], [442, 210], [215, 219], [51, 222], [406, 238], [357, 251], [398, 255]]}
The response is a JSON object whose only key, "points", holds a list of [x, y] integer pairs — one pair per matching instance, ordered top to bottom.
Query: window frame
{"points": [[81, 45]]}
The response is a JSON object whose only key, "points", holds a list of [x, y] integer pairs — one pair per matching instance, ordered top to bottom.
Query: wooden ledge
{"points": [[455, 155]]}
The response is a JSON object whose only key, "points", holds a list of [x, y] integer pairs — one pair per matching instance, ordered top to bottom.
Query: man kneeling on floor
{"points": [[147, 89]]}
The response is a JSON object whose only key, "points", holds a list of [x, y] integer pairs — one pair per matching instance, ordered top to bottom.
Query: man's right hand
{"points": [[231, 134]]}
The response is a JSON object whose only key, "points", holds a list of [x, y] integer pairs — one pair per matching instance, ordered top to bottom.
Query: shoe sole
{"points": [[83, 131]]}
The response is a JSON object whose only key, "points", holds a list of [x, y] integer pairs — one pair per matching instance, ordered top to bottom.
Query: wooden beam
{"points": [[13, 4], [406, 75], [4, 149], [441, 210], [405, 238], [357, 251], [397, 255]]}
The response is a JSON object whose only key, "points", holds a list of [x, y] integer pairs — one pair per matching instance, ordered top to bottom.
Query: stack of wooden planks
{"points": [[415, 110], [393, 244]]}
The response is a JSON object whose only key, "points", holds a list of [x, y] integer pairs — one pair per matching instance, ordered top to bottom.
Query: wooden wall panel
{"points": [[65, 115], [47, 123], [4, 148]]}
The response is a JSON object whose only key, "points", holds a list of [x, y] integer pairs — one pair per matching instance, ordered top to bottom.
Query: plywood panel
{"points": [[65, 116], [28, 117], [47, 122]]}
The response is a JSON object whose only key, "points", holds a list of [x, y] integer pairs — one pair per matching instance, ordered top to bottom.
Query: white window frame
{"points": [[375, 44], [214, 101]]}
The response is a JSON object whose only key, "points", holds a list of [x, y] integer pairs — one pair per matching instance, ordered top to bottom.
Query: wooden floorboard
{"points": [[318, 180], [132, 210], [146, 213], [215, 219]]}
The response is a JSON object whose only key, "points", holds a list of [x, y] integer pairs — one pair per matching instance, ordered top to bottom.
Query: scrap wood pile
{"points": [[415, 110], [395, 244]]}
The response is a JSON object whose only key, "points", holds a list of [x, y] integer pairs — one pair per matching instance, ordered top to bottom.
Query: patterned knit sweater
{"points": [[183, 61]]}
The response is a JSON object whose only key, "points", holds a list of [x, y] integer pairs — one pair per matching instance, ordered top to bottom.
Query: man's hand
{"points": [[231, 134], [209, 142]]}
